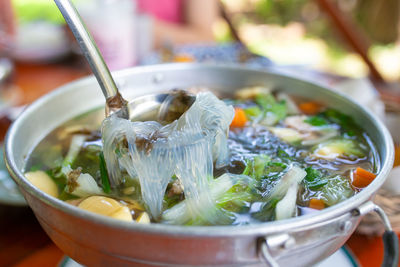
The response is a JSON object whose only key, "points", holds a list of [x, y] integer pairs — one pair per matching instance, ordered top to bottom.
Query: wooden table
{"points": [[23, 242]]}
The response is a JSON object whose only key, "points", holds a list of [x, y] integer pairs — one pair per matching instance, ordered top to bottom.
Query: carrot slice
{"points": [[183, 58], [310, 108], [240, 118], [362, 178], [316, 204]]}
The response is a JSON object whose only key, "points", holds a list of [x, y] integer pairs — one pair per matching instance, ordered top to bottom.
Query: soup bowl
{"points": [[95, 240]]}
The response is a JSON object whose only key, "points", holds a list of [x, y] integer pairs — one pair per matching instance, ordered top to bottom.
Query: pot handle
{"points": [[390, 238]]}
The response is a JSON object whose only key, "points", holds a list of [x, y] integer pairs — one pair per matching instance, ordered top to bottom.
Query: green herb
{"points": [[265, 100], [270, 106], [279, 109], [253, 112], [316, 121], [346, 122], [340, 147], [283, 155], [255, 167], [274, 167], [314, 178], [105, 182], [337, 189], [237, 198], [170, 201]]}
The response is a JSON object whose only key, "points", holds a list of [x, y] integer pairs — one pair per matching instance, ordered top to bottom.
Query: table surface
{"points": [[23, 243]]}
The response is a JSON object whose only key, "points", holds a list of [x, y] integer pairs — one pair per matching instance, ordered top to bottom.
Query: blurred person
{"points": [[180, 21]]}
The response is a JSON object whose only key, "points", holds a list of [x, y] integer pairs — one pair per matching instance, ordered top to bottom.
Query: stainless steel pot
{"points": [[95, 240]]}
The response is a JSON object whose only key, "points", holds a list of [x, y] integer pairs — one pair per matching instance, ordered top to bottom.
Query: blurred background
{"points": [[289, 32], [304, 32], [349, 45]]}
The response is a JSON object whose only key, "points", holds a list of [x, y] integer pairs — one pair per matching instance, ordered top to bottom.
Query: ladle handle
{"points": [[88, 47]]}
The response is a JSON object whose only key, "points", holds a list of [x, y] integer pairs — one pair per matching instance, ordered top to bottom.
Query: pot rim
{"points": [[203, 231]]}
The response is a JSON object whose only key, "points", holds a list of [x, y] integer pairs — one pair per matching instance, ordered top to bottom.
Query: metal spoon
{"points": [[115, 103], [169, 105]]}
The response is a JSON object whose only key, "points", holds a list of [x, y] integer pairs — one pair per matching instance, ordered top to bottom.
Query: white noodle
{"points": [[185, 148]]}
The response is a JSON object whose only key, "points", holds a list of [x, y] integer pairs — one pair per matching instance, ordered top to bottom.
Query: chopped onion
{"points": [[293, 176], [86, 186], [286, 207]]}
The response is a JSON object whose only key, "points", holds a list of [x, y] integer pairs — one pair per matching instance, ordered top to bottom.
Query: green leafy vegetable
{"points": [[265, 100], [273, 111], [253, 112], [316, 121], [346, 122], [339, 148], [283, 155], [255, 167], [314, 178], [105, 182], [337, 189], [223, 191], [237, 198], [266, 212]]}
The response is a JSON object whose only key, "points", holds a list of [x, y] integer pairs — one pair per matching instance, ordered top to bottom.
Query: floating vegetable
{"points": [[239, 120], [339, 148], [362, 178], [43, 182], [106, 206]]}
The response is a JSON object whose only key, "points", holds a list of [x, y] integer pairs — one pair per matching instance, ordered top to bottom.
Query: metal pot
{"points": [[95, 240]]}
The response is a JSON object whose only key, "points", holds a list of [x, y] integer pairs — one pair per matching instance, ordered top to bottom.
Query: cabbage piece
{"points": [[251, 92], [292, 108], [274, 111], [308, 130], [287, 134], [323, 134], [77, 142], [186, 148], [339, 148], [255, 168], [295, 174], [314, 179], [82, 186], [337, 189], [285, 190], [229, 192], [286, 207]]}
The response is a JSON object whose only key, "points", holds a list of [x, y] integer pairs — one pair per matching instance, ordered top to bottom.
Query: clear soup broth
{"points": [[287, 156]]}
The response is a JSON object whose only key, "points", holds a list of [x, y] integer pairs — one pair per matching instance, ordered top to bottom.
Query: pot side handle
{"points": [[390, 238]]}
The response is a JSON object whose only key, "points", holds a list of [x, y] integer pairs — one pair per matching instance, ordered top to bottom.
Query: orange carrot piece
{"points": [[183, 58], [310, 108], [240, 118], [362, 178], [316, 204]]}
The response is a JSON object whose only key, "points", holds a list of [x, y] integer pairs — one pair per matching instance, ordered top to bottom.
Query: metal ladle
{"points": [[115, 103]]}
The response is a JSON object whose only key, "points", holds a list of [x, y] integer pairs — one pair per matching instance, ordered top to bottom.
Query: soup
{"points": [[281, 157]]}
